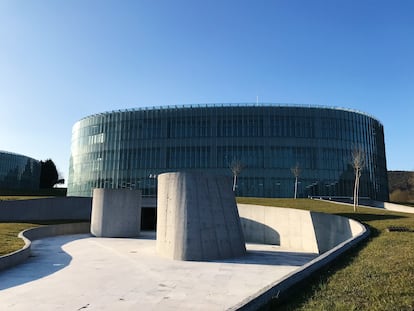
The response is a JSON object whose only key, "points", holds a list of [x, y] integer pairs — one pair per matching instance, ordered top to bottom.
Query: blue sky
{"points": [[63, 60]]}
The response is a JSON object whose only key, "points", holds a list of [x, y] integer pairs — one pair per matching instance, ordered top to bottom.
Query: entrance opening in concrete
{"points": [[148, 218]]}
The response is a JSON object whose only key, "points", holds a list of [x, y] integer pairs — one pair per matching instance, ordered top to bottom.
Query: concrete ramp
{"points": [[296, 229]]}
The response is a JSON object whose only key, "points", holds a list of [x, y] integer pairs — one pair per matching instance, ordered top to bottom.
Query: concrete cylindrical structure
{"points": [[116, 213], [197, 217]]}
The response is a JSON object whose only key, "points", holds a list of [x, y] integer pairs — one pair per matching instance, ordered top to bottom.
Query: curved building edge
{"points": [[129, 148], [18, 171]]}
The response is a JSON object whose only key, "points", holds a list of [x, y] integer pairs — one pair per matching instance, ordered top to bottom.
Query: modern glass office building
{"points": [[129, 148], [18, 171]]}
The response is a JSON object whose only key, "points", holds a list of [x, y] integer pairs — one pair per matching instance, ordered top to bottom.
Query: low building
{"points": [[18, 171]]}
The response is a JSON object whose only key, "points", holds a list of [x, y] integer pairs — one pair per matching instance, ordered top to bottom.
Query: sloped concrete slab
{"points": [[80, 272]]}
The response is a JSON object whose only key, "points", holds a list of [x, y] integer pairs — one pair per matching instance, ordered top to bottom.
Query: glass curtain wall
{"points": [[128, 149], [18, 171]]}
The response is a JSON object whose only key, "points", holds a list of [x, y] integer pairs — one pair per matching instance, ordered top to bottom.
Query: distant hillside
{"points": [[401, 185]]}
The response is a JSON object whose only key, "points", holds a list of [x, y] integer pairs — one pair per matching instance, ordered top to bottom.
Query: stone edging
{"points": [[29, 235], [278, 288]]}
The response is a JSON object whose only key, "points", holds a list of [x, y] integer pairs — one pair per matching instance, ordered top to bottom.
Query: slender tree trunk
{"points": [[358, 162], [296, 172], [234, 182], [296, 187], [356, 190], [357, 194]]}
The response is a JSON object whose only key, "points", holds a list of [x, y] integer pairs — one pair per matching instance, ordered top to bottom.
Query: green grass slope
{"points": [[401, 186], [8, 236]]}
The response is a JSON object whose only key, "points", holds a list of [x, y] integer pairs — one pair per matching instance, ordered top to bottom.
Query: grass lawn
{"points": [[53, 192], [18, 197], [9, 231], [8, 236], [376, 275]]}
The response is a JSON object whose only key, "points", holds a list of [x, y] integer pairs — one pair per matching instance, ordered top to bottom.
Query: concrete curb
{"points": [[393, 207], [29, 235], [275, 289]]}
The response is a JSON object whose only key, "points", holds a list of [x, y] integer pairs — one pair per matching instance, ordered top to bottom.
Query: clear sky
{"points": [[62, 60]]}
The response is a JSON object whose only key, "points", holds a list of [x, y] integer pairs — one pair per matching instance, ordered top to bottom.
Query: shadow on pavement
{"points": [[47, 257], [275, 258]]}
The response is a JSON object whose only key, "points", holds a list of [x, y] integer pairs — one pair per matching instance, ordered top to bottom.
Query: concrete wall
{"points": [[149, 202], [379, 204], [394, 207], [62, 208], [116, 213], [197, 217], [296, 229], [331, 230], [29, 235], [279, 288]]}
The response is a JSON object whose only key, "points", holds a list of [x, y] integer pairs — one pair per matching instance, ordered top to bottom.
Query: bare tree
{"points": [[358, 163], [236, 166], [296, 172]]}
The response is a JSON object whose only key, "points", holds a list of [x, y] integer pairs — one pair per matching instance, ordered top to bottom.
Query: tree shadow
{"points": [[369, 217], [47, 257]]}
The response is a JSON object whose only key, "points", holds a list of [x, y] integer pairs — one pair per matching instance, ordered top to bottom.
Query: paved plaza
{"points": [[80, 272]]}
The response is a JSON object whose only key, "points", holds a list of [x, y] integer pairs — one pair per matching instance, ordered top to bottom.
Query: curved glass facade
{"points": [[127, 149], [18, 171]]}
